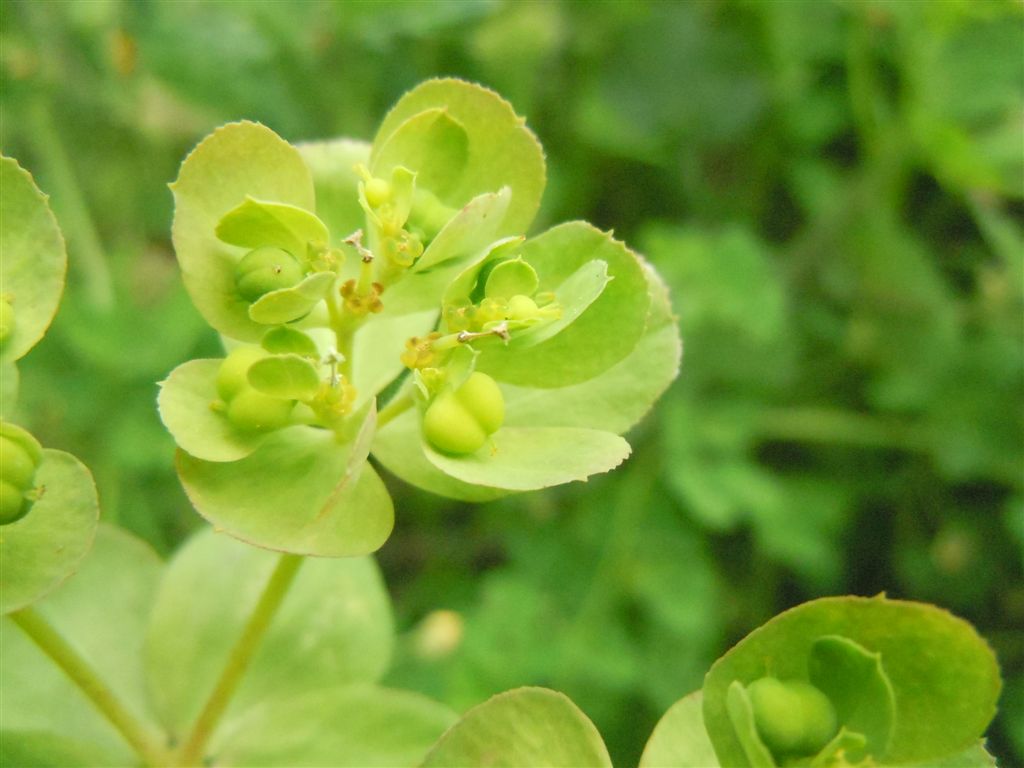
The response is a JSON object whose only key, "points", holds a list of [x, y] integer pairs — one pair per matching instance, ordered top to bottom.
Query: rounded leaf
{"points": [[500, 150], [237, 161], [333, 164], [34, 260], [288, 304], [612, 320], [288, 376], [617, 398], [185, 401], [530, 458], [300, 491], [47, 545], [102, 610], [333, 628], [944, 676], [358, 726], [525, 727], [679, 739]]}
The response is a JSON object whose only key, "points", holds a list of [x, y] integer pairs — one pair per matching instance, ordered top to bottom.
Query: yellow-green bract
{"points": [[412, 250]]}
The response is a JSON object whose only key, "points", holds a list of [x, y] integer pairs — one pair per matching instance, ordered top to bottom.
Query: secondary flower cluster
{"points": [[343, 274]]}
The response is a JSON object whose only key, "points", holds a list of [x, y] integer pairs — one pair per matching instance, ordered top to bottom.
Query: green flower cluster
{"points": [[343, 273]]}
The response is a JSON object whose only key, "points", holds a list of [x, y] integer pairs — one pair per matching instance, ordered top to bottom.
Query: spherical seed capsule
{"points": [[264, 270], [6, 319], [233, 375], [480, 395], [253, 411], [459, 421], [450, 428], [20, 457], [13, 504], [777, 714], [792, 717], [819, 717]]}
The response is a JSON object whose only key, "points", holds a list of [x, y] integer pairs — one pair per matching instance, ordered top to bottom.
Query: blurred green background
{"points": [[835, 193]]}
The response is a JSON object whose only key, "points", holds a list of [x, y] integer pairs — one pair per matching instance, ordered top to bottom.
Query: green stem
{"points": [[69, 203], [399, 404], [828, 425], [43, 634], [238, 661]]}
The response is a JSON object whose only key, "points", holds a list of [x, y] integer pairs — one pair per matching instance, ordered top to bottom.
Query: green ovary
{"points": [[264, 270], [247, 408], [254, 411], [459, 421], [20, 457], [792, 717]]}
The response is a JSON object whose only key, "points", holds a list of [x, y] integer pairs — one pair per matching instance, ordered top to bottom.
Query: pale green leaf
{"points": [[433, 145], [501, 149], [236, 161], [337, 184], [257, 223], [468, 233], [463, 240], [33, 260], [579, 291], [286, 305], [606, 332], [284, 340], [377, 349], [291, 377], [8, 388], [618, 398], [185, 401], [398, 446], [529, 458], [301, 491], [47, 545], [102, 611], [333, 628], [943, 674], [855, 682], [741, 717], [351, 727], [532, 727], [679, 739], [44, 749], [975, 756]]}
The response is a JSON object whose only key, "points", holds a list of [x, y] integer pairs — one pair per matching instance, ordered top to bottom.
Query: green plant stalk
{"points": [[69, 202], [398, 405], [50, 642], [241, 655]]}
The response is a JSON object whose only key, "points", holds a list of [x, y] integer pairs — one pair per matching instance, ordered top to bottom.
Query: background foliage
{"points": [[834, 192]]}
